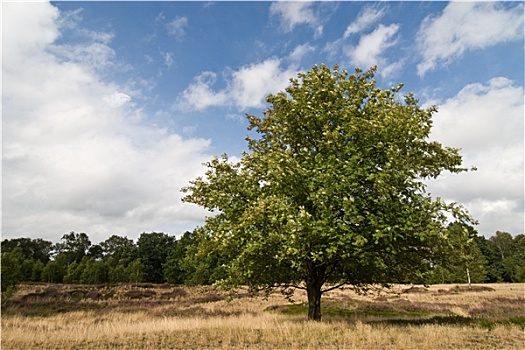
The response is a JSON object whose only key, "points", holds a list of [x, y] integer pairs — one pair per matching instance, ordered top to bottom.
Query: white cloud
{"points": [[293, 13], [367, 17], [465, 26], [177, 27], [371, 49], [301, 51], [94, 55], [168, 59], [251, 84], [245, 88], [199, 95], [118, 99], [482, 116], [239, 118], [486, 122], [75, 155]]}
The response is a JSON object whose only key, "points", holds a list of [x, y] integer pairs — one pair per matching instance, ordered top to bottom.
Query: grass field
{"points": [[169, 317]]}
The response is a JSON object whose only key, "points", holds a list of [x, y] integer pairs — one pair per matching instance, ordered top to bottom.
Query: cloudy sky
{"points": [[110, 108]]}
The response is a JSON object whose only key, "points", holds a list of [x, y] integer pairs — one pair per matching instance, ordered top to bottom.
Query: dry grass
{"points": [[168, 317]]}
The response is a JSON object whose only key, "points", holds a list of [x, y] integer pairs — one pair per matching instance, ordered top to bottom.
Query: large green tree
{"points": [[332, 191]]}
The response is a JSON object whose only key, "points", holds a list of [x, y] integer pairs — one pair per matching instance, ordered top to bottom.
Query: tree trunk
{"points": [[314, 282], [314, 301]]}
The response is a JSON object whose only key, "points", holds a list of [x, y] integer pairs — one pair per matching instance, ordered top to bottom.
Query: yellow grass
{"points": [[243, 323]]}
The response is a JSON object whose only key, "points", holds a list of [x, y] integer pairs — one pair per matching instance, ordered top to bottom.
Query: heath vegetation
{"points": [[148, 316]]}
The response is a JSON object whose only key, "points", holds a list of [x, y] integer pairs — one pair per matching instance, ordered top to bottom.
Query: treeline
{"points": [[154, 258], [161, 258]]}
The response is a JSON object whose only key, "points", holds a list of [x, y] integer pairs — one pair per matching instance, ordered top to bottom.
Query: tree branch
{"points": [[334, 287]]}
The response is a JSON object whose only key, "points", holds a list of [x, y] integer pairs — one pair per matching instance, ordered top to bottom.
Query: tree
{"points": [[332, 191], [74, 245], [37, 249], [153, 249], [120, 250], [500, 251], [96, 252], [462, 260], [518, 266], [11, 268], [56, 269], [135, 271], [174, 271], [73, 272], [94, 272], [118, 274]]}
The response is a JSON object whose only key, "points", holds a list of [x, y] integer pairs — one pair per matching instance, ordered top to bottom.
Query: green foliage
{"points": [[333, 189], [74, 246], [37, 249], [153, 249], [119, 250], [460, 257], [505, 257], [185, 265], [12, 268], [55, 270], [174, 270], [135, 271], [36, 272], [94, 272], [73, 273], [118, 274]]}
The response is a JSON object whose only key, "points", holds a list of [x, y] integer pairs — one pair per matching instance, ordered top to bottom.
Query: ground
{"points": [[147, 316]]}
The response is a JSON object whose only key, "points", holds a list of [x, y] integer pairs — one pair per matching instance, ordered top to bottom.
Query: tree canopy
{"points": [[332, 191]]}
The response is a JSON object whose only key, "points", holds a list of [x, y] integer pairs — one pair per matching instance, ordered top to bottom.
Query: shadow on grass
{"points": [[385, 315], [454, 320]]}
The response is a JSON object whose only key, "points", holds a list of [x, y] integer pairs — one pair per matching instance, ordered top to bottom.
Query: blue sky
{"points": [[110, 108]]}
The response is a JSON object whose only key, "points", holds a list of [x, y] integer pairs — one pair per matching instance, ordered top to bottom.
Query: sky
{"points": [[108, 109]]}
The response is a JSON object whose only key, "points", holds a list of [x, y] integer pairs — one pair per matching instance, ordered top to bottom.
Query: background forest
{"points": [[161, 258]]}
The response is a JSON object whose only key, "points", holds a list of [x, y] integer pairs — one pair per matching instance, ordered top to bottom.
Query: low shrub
{"points": [[139, 294]]}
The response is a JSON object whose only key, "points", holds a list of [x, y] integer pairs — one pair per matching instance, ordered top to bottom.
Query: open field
{"points": [[170, 317]]}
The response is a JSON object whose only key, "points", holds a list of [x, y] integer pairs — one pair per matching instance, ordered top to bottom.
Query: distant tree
{"points": [[332, 192], [502, 243], [74, 246], [500, 248], [37, 249], [153, 249], [119, 250], [96, 252], [519, 258], [462, 260], [514, 261], [186, 265], [11, 268], [27, 269], [56, 269], [174, 270], [135, 271], [36, 272], [94, 272], [73, 273], [119, 274]]}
